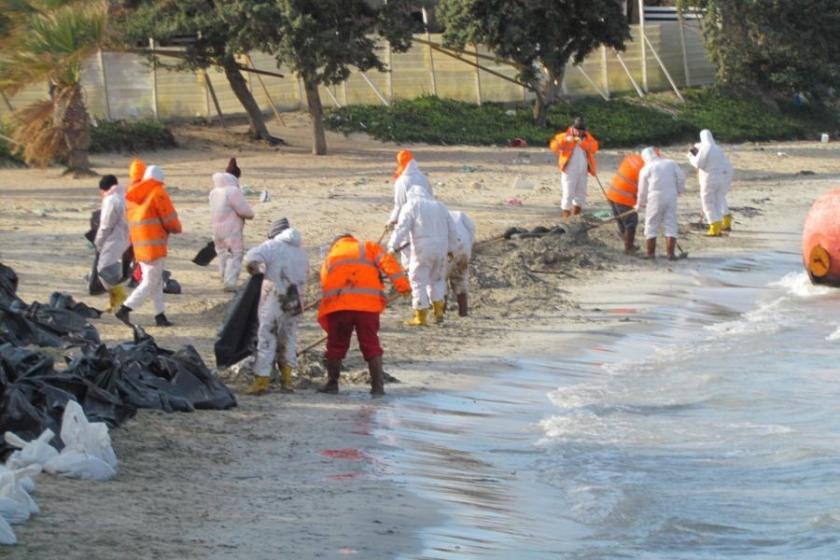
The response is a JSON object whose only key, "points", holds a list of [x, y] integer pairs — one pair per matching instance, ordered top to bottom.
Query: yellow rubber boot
{"points": [[726, 225], [714, 229], [119, 294], [112, 298], [439, 310], [419, 319], [286, 379], [259, 386]]}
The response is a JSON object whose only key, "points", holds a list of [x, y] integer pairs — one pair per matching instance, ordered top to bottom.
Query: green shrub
{"points": [[621, 122], [130, 136], [8, 154]]}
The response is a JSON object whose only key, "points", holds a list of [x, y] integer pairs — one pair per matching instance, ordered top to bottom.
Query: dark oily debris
{"points": [[206, 254]]}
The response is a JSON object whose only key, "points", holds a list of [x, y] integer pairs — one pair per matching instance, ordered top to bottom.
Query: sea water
{"points": [[709, 428]]}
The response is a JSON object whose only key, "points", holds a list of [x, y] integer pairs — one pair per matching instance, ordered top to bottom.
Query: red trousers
{"points": [[340, 325]]}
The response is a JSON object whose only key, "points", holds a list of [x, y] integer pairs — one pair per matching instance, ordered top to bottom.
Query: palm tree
{"points": [[46, 42]]}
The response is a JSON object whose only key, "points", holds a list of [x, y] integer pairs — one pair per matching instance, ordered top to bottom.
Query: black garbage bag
{"points": [[95, 217], [206, 254], [8, 284], [95, 286], [60, 300], [67, 324], [17, 329], [238, 335], [195, 381]]}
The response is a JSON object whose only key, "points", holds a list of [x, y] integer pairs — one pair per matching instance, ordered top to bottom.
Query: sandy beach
{"points": [[297, 476]]}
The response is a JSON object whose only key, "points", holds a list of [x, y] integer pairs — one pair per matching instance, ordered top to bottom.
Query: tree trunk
{"points": [[548, 92], [316, 115], [71, 117], [256, 120]]}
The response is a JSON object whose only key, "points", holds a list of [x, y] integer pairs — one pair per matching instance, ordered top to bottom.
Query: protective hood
{"points": [[706, 137], [649, 154], [404, 159], [136, 170], [153, 172], [222, 180], [142, 190], [416, 192], [290, 236]]}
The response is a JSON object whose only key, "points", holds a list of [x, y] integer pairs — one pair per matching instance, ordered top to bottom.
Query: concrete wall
{"points": [[136, 90]]}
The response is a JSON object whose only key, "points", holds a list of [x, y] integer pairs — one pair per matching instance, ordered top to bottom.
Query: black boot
{"points": [[463, 309], [123, 315], [162, 321], [333, 372], [377, 377]]}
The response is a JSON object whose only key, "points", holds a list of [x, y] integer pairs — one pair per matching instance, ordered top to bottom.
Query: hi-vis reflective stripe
{"points": [[626, 180], [169, 217], [146, 222], [150, 243], [362, 260], [396, 276], [357, 291]]}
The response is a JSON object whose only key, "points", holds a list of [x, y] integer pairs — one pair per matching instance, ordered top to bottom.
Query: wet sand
{"points": [[297, 476]]}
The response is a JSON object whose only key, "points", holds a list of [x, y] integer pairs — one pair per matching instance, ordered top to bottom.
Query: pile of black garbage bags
{"points": [[109, 383]]}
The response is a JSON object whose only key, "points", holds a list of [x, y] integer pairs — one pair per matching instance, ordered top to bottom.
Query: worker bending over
{"points": [[575, 149], [715, 174], [406, 176], [661, 181], [622, 195], [229, 210], [151, 220], [427, 229], [111, 240], [286, 268], [458, 268], [352, 298]]}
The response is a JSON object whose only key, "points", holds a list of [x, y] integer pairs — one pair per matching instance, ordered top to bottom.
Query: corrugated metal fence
{"points": [[127, 86]]}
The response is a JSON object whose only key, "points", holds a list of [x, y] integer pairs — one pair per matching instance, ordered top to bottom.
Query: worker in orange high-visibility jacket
{"points": [[575, 149], [622, 195], [151, 219], [353, 297]]}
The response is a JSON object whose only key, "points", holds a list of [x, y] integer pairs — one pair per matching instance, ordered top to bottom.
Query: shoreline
{"points": [[255, 481]]}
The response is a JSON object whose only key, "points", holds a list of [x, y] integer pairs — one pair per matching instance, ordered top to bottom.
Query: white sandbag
{"points": [[35, 452], [87, 452], [16, 505], [7, 536]]}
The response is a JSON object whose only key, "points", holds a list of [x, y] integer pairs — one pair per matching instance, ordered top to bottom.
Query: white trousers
{"points": [[574, 190], [713, 192], [661, 214], [230, 267], [459, 275], [427, 276], [150, 286], [277, 334]]}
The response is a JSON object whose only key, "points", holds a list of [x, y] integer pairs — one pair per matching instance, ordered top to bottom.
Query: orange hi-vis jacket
{"points": [[563, 144], [625, 184], [151, 218], [351, 278]]}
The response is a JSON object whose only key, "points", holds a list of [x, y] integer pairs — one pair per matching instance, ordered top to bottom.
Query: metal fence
{"points": [[127, 86]]}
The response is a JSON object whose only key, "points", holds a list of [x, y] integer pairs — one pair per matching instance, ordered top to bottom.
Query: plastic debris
{"points": [[265, 196], [514, 202], [206, 254], [238, 335], [35, 452], [87, 452]]}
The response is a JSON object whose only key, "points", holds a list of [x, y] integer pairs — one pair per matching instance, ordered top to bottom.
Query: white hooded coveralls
{"points": [[715, 174], [573, 180], [661, 181], [229, 210], [426, 225], [112, 236], [286, 263], [458, 272]]}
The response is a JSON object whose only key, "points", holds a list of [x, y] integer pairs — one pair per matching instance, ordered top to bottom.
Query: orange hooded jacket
{"points": [[563, 144], [625, 184], [151, 218], [351, 278]]}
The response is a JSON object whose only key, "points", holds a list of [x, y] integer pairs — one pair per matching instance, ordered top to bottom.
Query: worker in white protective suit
{"points": [[715, 174], [406, 176], [661, 181], [229, 210], [428, 230], [111, 240], [286, 268], [458, 269]]}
